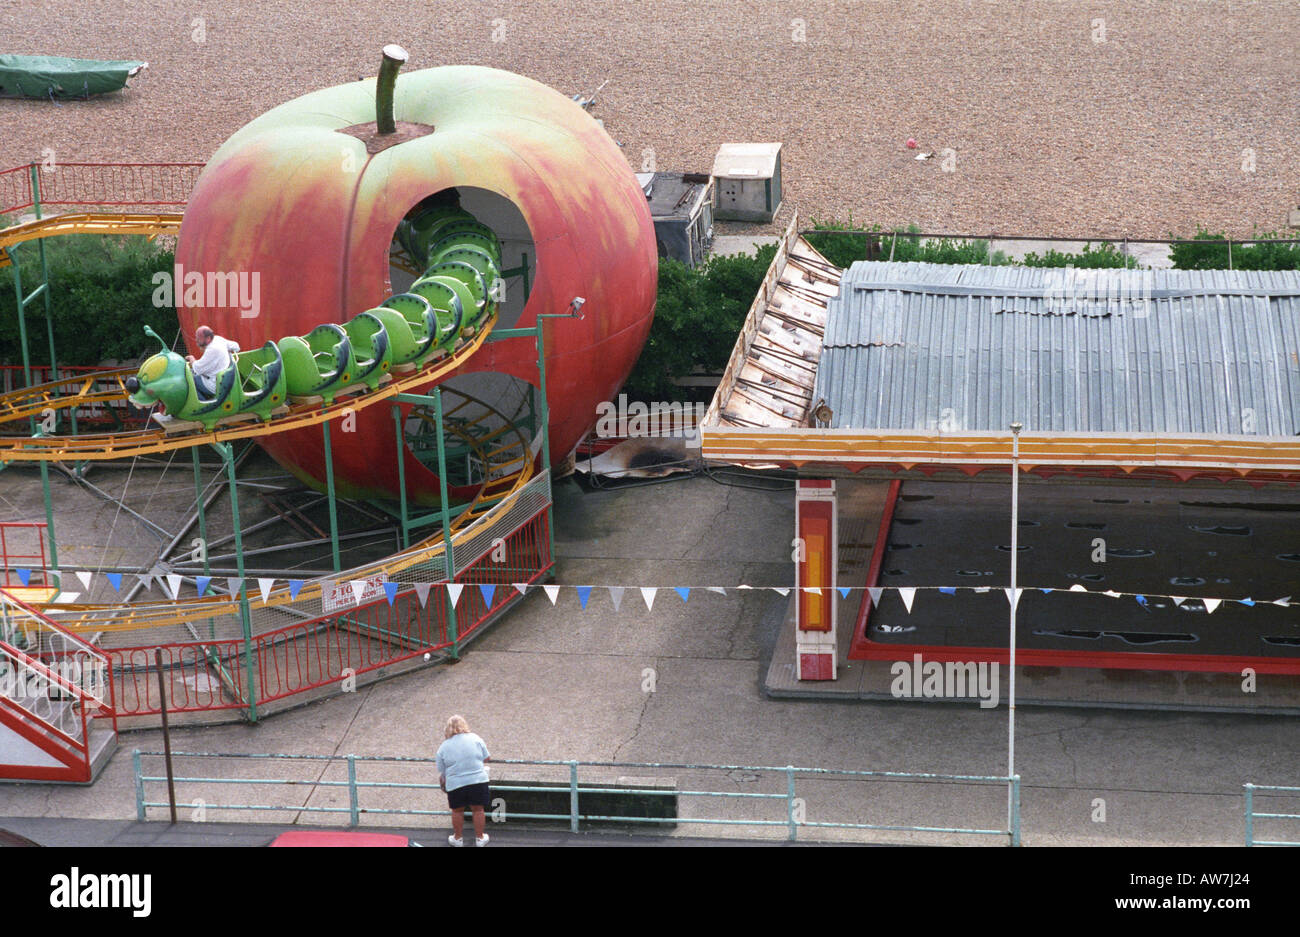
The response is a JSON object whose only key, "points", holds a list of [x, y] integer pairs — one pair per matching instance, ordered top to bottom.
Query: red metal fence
{"points": [[98, 184], [35, 562], [205, 676]]}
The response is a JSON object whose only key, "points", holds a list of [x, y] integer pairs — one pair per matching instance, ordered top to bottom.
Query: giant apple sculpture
{"points": [[308, 197]]}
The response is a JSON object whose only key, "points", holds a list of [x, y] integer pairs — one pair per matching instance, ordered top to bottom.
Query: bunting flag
{"points": [[24, 576], [85, 579], [115, 580], [201, 583], [174, 585], [233, 586], [295, 586], [264, 587], [521, 588], [983, 588], [1078, 588], [358, 589], [718, 589], [390, 590], [814, 590], [948, 590], [487, 591], [683, 591], [780, 591], [1045, 591], [422, 592], [453, 592], [551, 592], [844, 592], [875, 592], [584, 593], [1112, 593], [907, 594], [648, 595], [616, 596], [1178, 599], [1141, 600], [1013, 601], [1247, 601], [1285, 601], [1211, 605]]}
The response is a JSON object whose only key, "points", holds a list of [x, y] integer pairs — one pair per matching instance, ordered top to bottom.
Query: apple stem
{"points": [[394, 57]]}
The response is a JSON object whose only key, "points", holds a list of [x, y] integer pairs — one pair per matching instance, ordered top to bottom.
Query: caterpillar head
{"points": [[163, 378]]}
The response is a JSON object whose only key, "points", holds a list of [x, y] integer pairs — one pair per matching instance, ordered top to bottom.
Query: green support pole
{"points": [[22, 321], [545, 420], [228, 456], [401, 476], [329, 493], [49, 520], [203, 527], [449, 558]]}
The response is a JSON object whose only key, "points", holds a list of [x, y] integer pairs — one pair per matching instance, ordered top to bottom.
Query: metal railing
{"points": [[97, 184], [1271, 791], [797, 797]]}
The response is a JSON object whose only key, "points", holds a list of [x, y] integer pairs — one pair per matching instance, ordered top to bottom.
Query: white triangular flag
{"points": [[85, 579], [146, 579], [174, 583], [264, 587], [358, 587], [521, 588], [983, 588], [1078, 588], [718, 589], [454, 590], [815, 590], [780, 591], [422, 592], [551, 592], [875, 592], [1112, 593], [648, 594], [907, 594], [616, 596], [1178, 599], [1016, 601], [1285, 601], [1211, 605]]}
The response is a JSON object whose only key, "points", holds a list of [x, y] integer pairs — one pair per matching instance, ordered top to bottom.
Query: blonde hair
{"points": [[455, 726]]}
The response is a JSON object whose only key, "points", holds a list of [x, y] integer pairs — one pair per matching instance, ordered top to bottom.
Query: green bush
{"points": [[903, 243], [1103, 255], [1244, 256], [101, 296], [698, 315]]}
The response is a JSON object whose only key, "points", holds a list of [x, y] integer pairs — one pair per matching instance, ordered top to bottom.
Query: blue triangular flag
{"points": [[24, 576], [115, 580], [201, 583], [295, 586], [390, 589], [948, 590], [683, 591], [1044, 591], [488, 592], [844, 592], [584, 593], [1141, 600], [1246, 601]]}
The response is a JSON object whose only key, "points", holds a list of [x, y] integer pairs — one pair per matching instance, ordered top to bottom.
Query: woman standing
{"points": [[463, 774]]}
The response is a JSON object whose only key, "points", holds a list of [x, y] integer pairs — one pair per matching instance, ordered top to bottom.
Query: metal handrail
{"points": [[1252, 815], [792, 819]]}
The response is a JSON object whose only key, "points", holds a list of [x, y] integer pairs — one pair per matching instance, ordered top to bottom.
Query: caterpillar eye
{"points": [[132, 384]]}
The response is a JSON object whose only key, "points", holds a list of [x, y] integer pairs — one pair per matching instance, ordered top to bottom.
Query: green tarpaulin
{"points": [[48, 76]]}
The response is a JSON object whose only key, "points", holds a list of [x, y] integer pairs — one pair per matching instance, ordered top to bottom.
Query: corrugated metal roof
{"points": [[940, 346]]}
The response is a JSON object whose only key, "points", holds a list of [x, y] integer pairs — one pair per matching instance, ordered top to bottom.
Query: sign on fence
{"points": [[346, 593]]}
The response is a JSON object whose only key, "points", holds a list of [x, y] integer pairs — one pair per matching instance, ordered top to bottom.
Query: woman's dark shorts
{"points": [[471, 795]]}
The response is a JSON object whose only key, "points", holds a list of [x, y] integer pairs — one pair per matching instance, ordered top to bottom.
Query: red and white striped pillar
{"points": [[816, 546]]}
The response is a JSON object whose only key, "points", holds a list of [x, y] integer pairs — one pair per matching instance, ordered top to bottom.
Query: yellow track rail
{"points": [[87, 223]]}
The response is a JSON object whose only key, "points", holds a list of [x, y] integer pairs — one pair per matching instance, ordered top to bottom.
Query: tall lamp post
{"points": [[1011, 686]]}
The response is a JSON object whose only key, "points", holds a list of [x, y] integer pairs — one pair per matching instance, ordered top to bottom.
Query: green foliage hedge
{"points": [[101, 296]]}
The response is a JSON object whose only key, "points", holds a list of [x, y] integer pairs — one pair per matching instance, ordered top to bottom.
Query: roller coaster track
{"points": [[87, 223], [508, 467]]}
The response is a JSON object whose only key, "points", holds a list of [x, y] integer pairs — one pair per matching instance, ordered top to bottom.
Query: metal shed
{"points": [[747, 181], [681, 205]]}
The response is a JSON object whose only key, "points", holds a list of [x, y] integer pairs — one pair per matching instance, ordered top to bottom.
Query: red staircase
{"points": [[58, 719]]}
